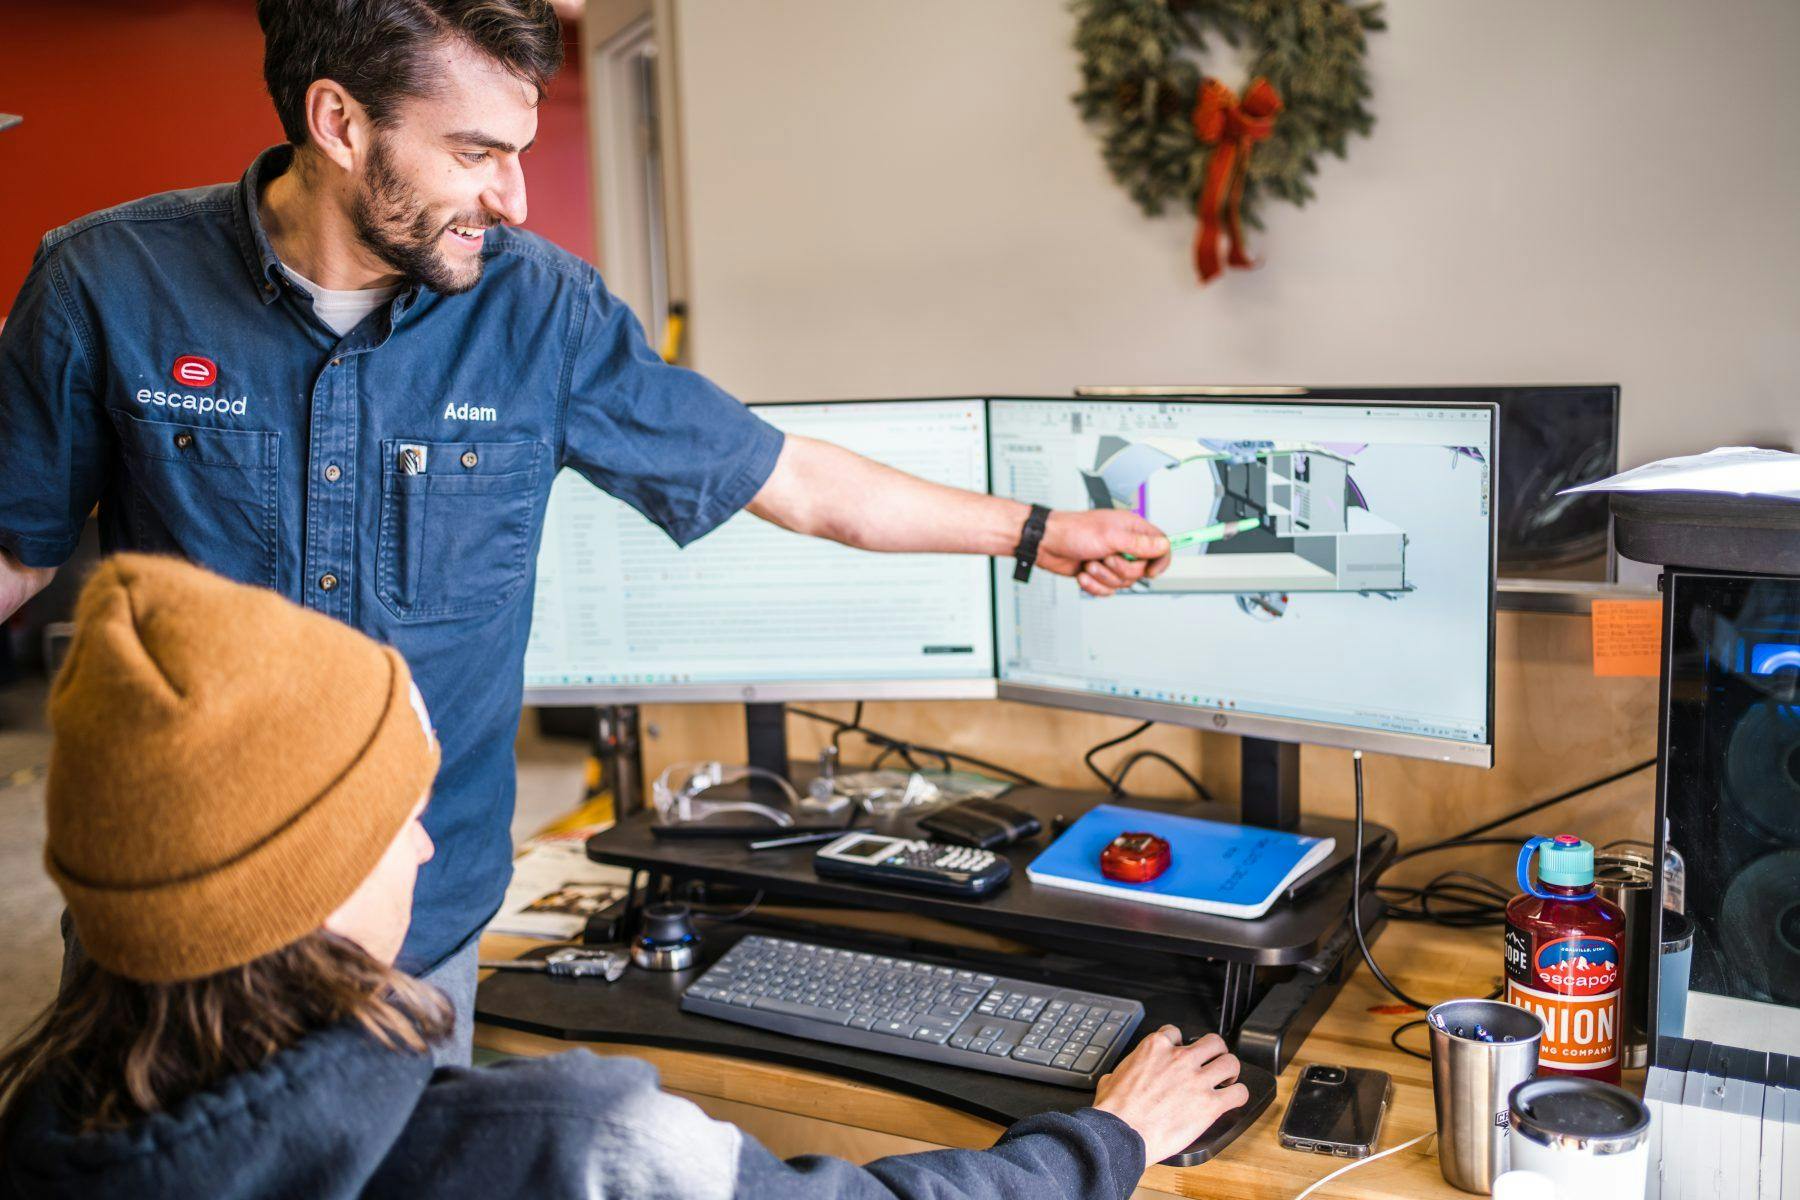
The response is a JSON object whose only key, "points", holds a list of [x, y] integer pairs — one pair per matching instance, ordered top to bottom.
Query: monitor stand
{"points": [[765, 738], [615, 744], [616, 748], [1269, 783]]}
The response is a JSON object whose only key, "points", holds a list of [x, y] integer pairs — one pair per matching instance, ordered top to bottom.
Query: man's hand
{"points": [[1092, 546], [1171, 1093]]}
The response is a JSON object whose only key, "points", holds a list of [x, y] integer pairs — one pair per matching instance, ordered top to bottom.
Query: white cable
{"points": [[1361, 1162]]}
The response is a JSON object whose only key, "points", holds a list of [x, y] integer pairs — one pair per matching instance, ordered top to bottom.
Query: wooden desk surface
{"points": [[1423, 960]]}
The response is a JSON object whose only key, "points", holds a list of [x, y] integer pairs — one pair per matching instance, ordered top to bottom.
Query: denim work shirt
{"points": [[159, 362]]}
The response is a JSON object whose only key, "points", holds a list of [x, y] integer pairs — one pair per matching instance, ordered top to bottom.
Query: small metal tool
{"points": [[571, 961]]}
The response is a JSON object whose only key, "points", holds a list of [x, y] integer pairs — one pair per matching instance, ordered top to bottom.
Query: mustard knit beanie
{"points": [[226, 769]]}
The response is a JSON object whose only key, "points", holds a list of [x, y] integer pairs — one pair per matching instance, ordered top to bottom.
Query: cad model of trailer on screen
{"points": [[1331, 563]]}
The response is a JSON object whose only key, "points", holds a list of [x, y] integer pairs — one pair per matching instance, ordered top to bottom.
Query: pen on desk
{"points": [[701, 830], [797, 839]]}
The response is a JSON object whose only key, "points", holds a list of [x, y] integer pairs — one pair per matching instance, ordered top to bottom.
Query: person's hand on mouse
{"points": [[1172, 1093]]}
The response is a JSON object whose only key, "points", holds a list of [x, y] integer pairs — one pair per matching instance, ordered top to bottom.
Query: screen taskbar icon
{"points": [[1171, 697]]}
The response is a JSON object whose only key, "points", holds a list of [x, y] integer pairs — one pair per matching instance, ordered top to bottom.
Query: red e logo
{"points": [[194, 371]]}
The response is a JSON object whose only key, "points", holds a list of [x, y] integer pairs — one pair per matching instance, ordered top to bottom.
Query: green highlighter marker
{"points": [[1207, 533]]}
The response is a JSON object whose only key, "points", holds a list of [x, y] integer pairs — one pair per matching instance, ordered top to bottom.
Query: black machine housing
{"points": [[1728, 771]]}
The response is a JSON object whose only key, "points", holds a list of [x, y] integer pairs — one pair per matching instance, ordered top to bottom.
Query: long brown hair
{"points": [[119, 1050]]}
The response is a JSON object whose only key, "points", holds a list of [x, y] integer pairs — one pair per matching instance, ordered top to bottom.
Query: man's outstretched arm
{"points": [[826, 491]]}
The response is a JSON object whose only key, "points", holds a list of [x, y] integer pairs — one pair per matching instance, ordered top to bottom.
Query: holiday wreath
{"points": [[1171, 132]]}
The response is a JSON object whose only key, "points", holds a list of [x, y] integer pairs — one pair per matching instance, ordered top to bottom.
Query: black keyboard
{"points": [[918, 1010]]}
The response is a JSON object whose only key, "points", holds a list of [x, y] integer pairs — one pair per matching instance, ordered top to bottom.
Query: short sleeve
{"points": [[663, 439], [52, 440]]}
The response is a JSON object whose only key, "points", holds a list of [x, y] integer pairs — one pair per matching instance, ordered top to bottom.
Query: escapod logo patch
{"points": [[194, 371], [1579, 966]]}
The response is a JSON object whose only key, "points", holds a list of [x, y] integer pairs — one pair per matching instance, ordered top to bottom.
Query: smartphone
{"points": [[1337, 1111]]}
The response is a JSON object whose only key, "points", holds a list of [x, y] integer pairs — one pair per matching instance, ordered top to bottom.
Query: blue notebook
{"points": [[1226, 870]]}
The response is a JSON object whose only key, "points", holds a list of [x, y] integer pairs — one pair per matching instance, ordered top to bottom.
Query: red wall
{"points": [[123, 98], [558, 176]]}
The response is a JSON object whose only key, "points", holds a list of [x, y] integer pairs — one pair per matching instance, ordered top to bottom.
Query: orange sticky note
{"points": [[1628, 637]]}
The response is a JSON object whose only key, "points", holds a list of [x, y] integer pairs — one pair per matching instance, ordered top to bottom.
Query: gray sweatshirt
{"points": [[339, 1116]]}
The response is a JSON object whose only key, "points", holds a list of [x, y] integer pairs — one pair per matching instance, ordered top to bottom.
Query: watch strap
{"points": [[1026, 552]]}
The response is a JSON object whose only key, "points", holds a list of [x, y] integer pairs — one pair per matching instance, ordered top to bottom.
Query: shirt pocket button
{"points": [[183, 440], [469, 460]]}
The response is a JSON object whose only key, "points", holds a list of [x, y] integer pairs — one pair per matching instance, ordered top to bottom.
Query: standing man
{"points": [[349, 378]]}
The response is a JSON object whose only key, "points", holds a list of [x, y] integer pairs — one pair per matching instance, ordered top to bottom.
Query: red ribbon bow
{"points": [[1232, 127]]}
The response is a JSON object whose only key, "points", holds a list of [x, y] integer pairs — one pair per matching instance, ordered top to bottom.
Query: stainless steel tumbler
{"points": [[1629, 881], [1480, 1051], [1591, 1139]]}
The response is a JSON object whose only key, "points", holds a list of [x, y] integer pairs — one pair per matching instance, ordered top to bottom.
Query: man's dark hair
{"points": [[380, 50]]}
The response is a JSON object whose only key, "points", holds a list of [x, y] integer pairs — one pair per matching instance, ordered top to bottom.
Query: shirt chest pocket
{"points": [[204, 493], [456, 526]]}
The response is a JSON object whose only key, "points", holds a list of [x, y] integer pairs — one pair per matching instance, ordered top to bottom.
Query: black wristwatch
{"points": [[1025, 553]]}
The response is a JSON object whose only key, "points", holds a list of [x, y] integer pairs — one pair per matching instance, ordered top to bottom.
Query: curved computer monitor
{"points": [[1332, 580], [754, 613]]}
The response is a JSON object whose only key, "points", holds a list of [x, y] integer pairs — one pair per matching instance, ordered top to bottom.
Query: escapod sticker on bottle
{"points": [[1572, 984]]}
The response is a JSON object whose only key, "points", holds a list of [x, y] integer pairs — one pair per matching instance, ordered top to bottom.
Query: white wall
{"points": [[895, 197]]}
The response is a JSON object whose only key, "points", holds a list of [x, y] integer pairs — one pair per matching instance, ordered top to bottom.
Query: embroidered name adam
{"points": [[469, 412]]}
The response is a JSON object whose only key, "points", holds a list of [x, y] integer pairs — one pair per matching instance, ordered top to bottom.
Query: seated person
{"points": [[233, 808]]}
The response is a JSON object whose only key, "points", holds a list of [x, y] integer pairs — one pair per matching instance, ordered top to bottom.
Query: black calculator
{"points": [[920, 866]]}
